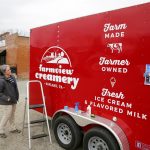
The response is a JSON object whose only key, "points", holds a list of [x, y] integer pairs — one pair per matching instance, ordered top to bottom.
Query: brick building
{"points": [[14, 51]]}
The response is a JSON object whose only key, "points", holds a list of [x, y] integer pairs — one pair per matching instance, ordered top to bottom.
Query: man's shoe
{"points": [[16, 131], [3, 135]]}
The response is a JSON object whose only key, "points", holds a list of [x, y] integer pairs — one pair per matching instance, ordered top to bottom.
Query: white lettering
{"points": [[110, 27], [114, 35], [104, 61], [113, 69], [56, 70], [57, 75], [60, 79], [75, 82], [106, 92], [119, 103], [106, 107], [137, 115]]}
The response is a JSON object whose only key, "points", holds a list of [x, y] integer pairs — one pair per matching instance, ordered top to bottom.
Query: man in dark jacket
{"points": [[9, 96]]}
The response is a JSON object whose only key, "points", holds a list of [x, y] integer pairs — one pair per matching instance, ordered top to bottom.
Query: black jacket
{"points": [[9, 94]]}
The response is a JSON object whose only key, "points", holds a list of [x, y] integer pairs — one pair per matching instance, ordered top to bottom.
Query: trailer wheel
{"points": [[67, 133], [99, 139]]}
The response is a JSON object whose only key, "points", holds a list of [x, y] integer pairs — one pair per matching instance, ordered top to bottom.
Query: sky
{"points": [[22, 15]]}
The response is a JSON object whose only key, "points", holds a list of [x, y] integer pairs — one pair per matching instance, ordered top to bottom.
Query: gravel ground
{"points": [[16, 141]]}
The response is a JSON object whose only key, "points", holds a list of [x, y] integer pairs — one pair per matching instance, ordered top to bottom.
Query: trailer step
{"points": [[36, 106], [38, 121], [38, 136]]}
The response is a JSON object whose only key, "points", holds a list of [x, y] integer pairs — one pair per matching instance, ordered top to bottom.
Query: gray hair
{"points": [[3, 69]]}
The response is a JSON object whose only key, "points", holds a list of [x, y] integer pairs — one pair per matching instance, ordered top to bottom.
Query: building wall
{"points": [[11, 50], [17, 53], [23, 57]]}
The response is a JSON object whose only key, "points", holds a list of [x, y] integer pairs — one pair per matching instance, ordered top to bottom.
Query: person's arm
{"points": [[1, 88], [17, 91], [2, 95]]}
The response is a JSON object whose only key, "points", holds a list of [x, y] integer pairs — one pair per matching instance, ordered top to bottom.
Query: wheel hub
{"points": [[64, 133], [96, 143]]}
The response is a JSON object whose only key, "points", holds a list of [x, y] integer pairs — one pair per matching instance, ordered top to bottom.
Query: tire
{"points": [[67, 133], [99, 139]]}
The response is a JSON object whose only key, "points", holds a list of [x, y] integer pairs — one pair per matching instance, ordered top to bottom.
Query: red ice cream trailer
{"points": [[95, 72]]}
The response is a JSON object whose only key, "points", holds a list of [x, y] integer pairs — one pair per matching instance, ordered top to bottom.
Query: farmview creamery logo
{"points": [[56, 69]]}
